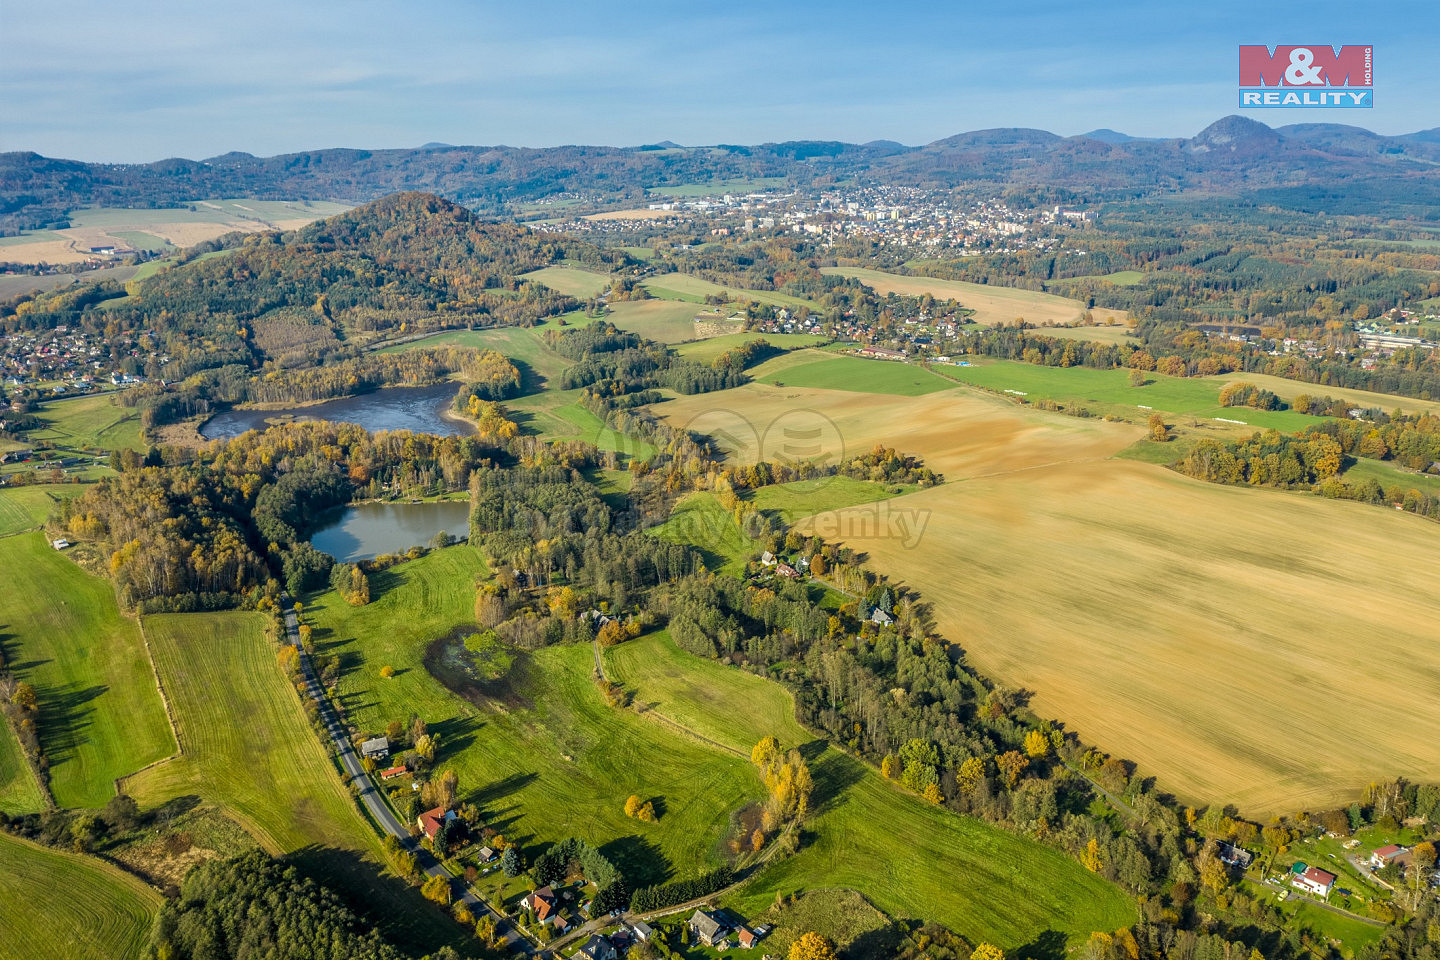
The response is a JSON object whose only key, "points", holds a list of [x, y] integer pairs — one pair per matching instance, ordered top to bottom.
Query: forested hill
{"points": [[1233, 155], [408, 262]]}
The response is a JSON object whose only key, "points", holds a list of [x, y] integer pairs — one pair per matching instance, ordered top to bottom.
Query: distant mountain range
{"points": [[1323, 166]]}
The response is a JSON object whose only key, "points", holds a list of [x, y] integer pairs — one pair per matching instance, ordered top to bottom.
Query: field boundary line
{"points": [[164, 701]]}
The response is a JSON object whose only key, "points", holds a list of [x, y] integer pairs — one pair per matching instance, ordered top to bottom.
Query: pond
{"points": [[420, 409], [368, 530]]}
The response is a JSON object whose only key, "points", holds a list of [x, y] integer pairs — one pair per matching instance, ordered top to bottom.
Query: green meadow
{"points": [[856, 374], [1110, 392], [805, 498], [699, 520], [101, 716], [540, 751], [909, 858], [69, 907]]}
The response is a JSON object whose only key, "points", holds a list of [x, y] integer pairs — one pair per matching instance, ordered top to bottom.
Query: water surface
{"points": [[392, 408], [367, 530]]}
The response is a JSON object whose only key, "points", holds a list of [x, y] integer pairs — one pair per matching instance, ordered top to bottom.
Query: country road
{"points": [[379, 810]]}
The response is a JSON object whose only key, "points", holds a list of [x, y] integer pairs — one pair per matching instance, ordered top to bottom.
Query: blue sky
{"points": [[157, 78]]}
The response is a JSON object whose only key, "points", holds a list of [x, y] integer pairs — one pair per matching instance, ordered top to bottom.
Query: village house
{"points": [[768, 559], [785, 570], [880, 617], [377, 749], [392, 772], [429, 821], [1392, 853], [485, 855], [1233, 855], [1312, 880], [543, 901], [706, 928], [641, 930], [746, 936], [598, 947]]}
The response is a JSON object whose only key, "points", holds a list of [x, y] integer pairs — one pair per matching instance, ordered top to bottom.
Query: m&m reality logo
{"points": [[1309, 75]]}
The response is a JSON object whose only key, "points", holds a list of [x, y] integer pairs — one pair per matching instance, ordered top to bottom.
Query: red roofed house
{"points": [[393, 772], [430, 820], [1389, 854], [1314, 880], [542, 901], [746, 936]]}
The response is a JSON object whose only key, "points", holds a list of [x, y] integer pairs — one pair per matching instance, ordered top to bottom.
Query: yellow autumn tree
{"points": [[1037, 745], [890, 766], [932, 794], [1091, 857], [812, 946], [987, 951]]}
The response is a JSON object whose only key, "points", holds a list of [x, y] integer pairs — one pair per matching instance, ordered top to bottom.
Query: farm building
{"points": [[881, 353], [60, 544], [377, 749], [393, 772], [1312, 879]]}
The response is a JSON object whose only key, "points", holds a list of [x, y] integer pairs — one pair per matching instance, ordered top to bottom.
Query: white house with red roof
{"points": [[1312, 880]]}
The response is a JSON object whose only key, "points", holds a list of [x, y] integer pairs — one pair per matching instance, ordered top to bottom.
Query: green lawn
{"points": [[1124, 278], [571, 281], [683, 286], [662, 320], [1116, 334], [705, 351], [537, 362], [850, 373], [1110, 392], [557, 415], [89, 422], [1391, 476], [805, 498], [24, 508], [700, 521], [100, 714], [247, 746], [540, 752], [19, 791], [909, 858], [69, 907]]}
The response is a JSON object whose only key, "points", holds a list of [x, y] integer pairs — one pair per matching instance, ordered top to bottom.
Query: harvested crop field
{"points": [[992, 304], [1245, 646], [1268, 649]]}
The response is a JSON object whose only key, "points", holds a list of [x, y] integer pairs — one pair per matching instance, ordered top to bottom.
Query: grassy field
{"points": [[1124, 278], [571, 281], [683, 286], [992, 304], [667, 321], [1118, 333], [705, 351], [849, 373], [1290, 389], [1109, 392], [94, 422], [1390, 476], [805, 498], [24, 508], [698, 519], [100, 714], [252, 751], [541, 753], [19, 791], [903, 854], [104, 913]]}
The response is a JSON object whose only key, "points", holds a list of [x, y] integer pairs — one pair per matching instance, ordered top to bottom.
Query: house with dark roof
{"points": [[377, 749], [1233, 855], [706, 928], [641, 930], [598, 948]]}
